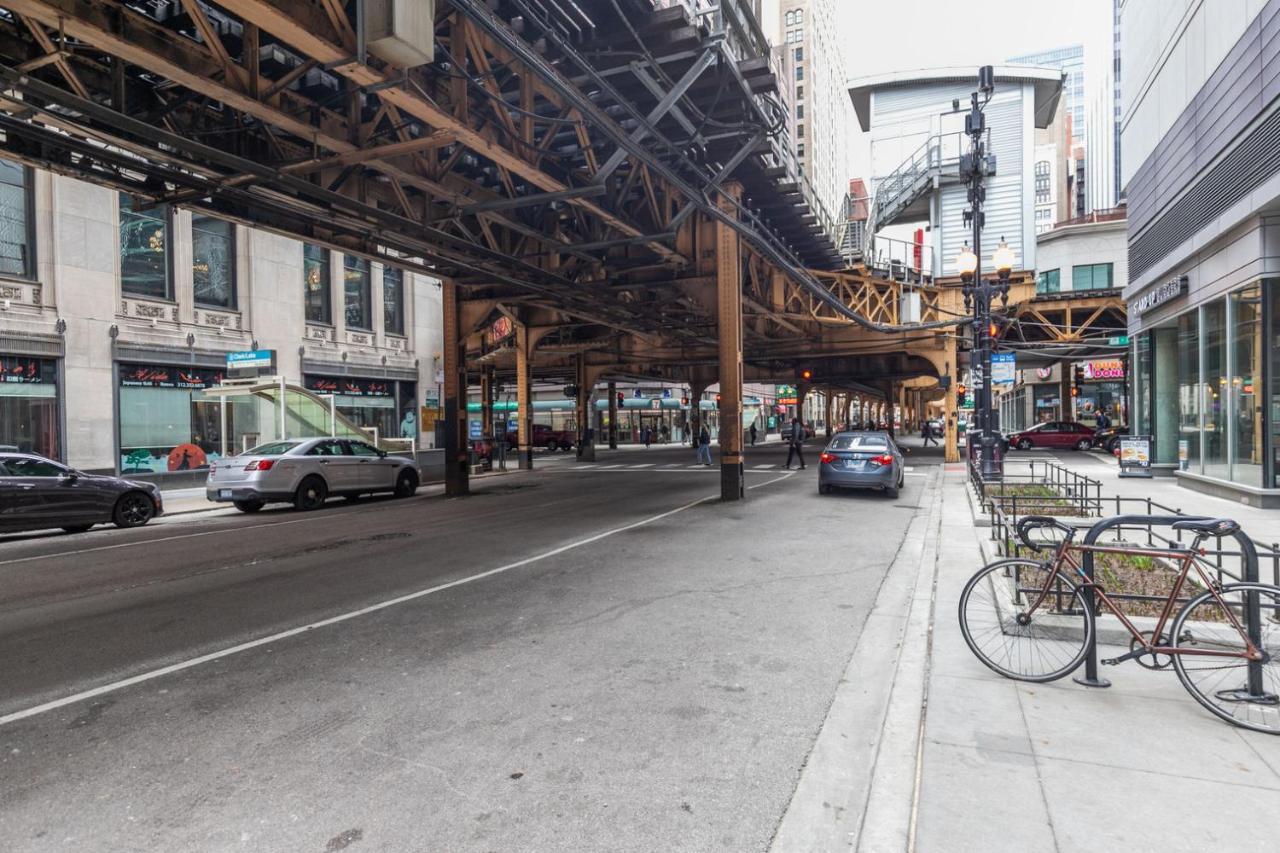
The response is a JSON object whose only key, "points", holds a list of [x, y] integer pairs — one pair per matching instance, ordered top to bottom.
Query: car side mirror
{"points": [[382, 454], [71, 476]]}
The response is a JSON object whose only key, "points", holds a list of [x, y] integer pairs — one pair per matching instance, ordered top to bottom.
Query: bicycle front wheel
{"points": [[1025, 621], [1213, 668]]}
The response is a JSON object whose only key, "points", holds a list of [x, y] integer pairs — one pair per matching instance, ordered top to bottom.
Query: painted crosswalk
{"points": [[763, 467]]}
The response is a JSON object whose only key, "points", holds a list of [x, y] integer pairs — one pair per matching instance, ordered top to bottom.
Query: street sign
{"points": [[1118, 341], [251, 362], [1003, 368], [1135, 456]]}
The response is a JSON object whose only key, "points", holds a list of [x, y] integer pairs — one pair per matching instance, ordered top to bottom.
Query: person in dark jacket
{"points": [[795, 443], [704, 445]]}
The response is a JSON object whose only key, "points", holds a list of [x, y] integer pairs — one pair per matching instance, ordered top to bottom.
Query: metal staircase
{"points": [[898, 194]]}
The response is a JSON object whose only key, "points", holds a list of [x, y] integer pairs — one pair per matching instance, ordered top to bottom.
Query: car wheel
{"points": [[1024, 444], [1084, 444], [1113, 445], [553, 446], [406, 484], [311, 494], [249, 506], [134, 509], [77, 528]]}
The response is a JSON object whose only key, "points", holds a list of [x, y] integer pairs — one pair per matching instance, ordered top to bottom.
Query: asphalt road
{"points": [[580, 658]]}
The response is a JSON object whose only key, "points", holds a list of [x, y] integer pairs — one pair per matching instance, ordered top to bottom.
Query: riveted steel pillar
{"points": [[729, 299], [585, 380], [524, 396], [486, 401], [829, 410], [613, 415], [457, 455]]}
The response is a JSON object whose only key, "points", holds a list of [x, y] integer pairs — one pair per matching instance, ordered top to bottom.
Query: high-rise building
{"points": [[1069, 59], [822, 117]]}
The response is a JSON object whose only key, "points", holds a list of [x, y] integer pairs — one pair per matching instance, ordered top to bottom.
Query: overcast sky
{"points": [[900, 35]]}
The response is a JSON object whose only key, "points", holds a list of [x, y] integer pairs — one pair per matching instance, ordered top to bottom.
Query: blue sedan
{"points": [[861, 460]]}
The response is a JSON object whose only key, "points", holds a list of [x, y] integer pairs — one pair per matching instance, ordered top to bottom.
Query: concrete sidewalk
{"points": [[968, 761]]}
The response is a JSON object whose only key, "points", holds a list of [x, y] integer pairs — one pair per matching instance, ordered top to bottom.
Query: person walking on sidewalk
{"points": [[926, 433], [753, 434], [795, 443], [704, 446]]}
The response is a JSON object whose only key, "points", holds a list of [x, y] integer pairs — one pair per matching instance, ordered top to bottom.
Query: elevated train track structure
{"points": [[609, 179]]}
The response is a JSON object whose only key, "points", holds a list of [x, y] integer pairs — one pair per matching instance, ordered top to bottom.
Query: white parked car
{"points": [[306, 471]]}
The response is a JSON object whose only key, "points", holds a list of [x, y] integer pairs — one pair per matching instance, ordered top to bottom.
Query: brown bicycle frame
{"points": [[1063, 556]]}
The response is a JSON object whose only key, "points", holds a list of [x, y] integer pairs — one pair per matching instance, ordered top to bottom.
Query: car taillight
{"points": [[827, 457], [884, 459], [260, 465]]}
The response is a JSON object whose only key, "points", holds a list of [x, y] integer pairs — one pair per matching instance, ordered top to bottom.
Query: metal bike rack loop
{"points": [[1249, 574]]}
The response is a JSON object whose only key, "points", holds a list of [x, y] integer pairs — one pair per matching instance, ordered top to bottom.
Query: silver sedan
{"points": [[861, 460], [306, 471]]}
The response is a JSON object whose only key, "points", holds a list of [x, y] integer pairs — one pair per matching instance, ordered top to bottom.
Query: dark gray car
{"points": [[38, 494]]}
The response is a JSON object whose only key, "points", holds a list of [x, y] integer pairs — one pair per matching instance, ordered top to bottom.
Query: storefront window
{"points": [[144, 240], [17, 255], [213, 261], [315, 275], [393, 300], [357, 307], [1273, 335], [1246, 382], [1215, 383], [1141, 385], [1162, 392], [1189, 396], [29, 404], [384, 405], [169, 423]]}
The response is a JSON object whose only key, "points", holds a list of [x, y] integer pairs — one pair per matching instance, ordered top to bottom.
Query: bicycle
{"points": [[1035, 620]]}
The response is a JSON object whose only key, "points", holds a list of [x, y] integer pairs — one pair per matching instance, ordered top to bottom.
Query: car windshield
{"points": [[859, 442], [271, 448]]}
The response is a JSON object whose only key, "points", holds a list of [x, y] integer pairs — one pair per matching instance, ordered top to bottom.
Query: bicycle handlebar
{"points": [[1026, 523]]}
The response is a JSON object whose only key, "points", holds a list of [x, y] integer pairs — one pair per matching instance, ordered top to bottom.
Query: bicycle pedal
{"points": [[1117, 661]]}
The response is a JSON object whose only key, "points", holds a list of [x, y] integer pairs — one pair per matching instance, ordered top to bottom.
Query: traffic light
{"points": [[806, 374], [1078, 375], [1075, 390], [571, 391], [960, 396], [621, 398], [717, 401], [684, 402]]}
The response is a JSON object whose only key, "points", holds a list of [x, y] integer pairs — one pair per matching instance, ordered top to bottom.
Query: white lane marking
{"points": [[643, 465], [699, 465], [610, 467], [762, 467], [909, 468], [916, 474], [344, 617]]}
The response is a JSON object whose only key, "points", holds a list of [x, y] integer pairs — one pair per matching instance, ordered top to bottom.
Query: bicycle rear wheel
{"points": [[1043, 645], [1244, 694]]}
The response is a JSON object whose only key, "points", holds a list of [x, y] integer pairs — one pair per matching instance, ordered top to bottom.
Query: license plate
{"points": [[853, 464], [224, 493]]}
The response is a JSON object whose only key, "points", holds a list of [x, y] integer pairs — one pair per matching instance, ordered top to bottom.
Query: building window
{"points": [[799, 16], [791, 19], [799, 54], [799, 72], [799, 93], [800, 111], [800, 131], [800, 150], [1042, 182], [17, 246], [144, 257], [213, 261], [1091, 277], [316, 280], [1050, 281], [355, 293], [393, 300], [1214, 382], [388, 406], [29, 417], [169, 423], [1248, 447]]}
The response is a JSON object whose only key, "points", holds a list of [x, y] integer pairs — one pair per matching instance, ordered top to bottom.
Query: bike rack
{"points": [[1249, 574]]}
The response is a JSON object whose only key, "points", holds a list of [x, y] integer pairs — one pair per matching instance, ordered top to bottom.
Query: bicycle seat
{"points": [[1208, 526]]}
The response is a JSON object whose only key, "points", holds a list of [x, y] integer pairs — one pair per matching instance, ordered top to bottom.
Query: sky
{"points": [[900, 35]]}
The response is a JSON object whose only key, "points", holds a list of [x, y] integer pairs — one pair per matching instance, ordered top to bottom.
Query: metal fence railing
{"points": [[1077, 500]]}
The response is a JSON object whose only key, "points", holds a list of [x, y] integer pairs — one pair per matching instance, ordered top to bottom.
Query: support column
{"points": [[729, 301], [585, 381], [524, 397], [486, 402], [845, 404], [1066, 409], [829, 412], [613, 415], [950, 444], [457, 457]]}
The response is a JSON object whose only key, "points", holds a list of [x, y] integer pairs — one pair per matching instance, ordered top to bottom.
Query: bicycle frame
{"points": [[1063, 556]]}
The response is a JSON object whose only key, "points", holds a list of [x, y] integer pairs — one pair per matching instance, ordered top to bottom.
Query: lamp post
{"points": [[975, 167]]}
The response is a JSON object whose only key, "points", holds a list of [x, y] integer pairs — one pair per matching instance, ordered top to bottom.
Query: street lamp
{"points": [[975, 167]]}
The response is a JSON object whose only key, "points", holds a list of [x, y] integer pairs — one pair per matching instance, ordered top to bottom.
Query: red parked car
{"points": [[1054, 434]]}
